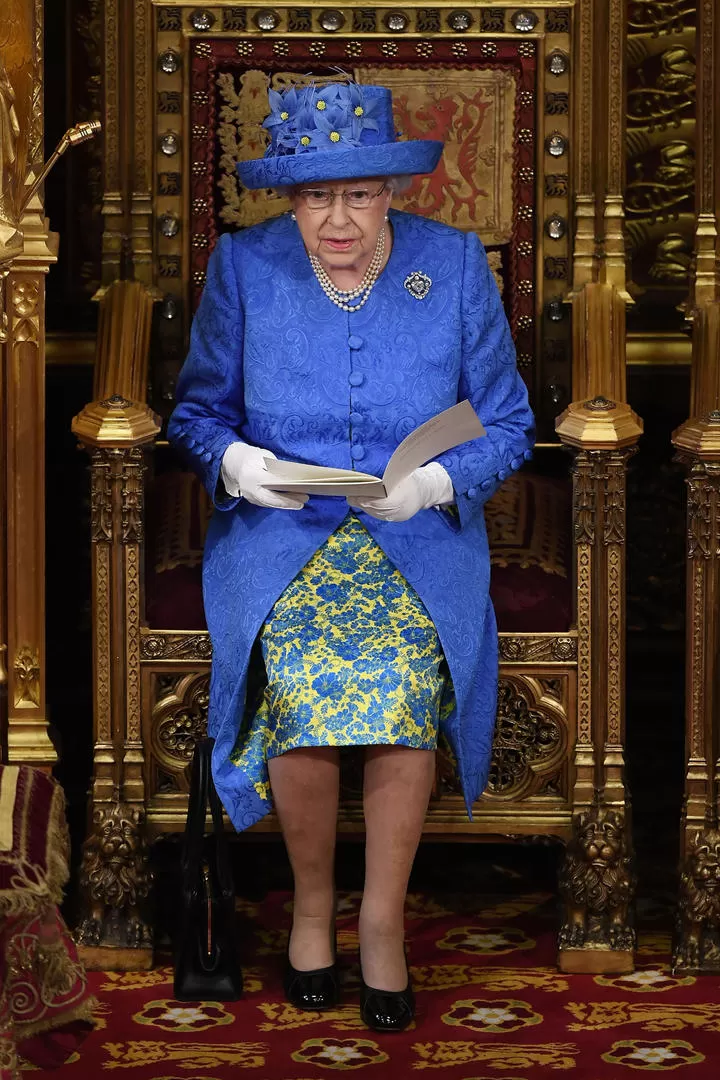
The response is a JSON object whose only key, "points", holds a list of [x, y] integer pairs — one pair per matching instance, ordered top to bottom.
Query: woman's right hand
{"points": [[242, 471]]}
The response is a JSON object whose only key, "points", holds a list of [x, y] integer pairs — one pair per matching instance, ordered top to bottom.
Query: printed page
{"points": [[449, 428]]}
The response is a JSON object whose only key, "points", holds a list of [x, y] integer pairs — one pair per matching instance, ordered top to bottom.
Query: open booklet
{"points": [[449, 428]]}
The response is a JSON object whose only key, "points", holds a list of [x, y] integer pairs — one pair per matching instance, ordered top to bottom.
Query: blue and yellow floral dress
{"points": [[351, 658]]}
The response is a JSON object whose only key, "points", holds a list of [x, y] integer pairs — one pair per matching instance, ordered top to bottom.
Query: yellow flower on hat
{"points": [[321, 105], [334, 136], [305, 140]]}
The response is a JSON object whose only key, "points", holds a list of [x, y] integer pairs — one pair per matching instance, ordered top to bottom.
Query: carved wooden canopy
{"points": [[496, 83]]}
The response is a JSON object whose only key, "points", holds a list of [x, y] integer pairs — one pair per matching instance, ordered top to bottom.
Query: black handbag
{"points": [[206, 959]]}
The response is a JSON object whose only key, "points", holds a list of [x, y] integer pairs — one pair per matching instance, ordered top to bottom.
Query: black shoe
{"points": [[314, 990], [387, 1010]]}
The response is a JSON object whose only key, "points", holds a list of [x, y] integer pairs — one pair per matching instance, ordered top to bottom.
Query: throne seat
{"points": [[512, 164], [528, 528]]}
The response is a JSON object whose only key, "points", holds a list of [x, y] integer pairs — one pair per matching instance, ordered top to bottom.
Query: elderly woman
{"points": [[324, 336]]}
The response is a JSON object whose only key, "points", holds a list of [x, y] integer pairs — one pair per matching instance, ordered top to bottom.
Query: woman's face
{"points": [[343, 237]]}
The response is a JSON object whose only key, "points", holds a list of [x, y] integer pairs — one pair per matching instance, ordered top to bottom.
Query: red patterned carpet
{"points": [[491, 1004]]}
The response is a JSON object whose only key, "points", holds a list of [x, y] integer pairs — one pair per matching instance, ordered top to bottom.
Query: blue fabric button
{"points": [[354, 341], [356, 378], [356, 418], [190, 443], [358, 453], [527, 454], [207, 456], [517, 462], [503, 474], [486, 485], [471, 493]]}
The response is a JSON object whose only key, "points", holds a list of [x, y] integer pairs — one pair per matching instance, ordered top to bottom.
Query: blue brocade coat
{"points": [[274, 363]]}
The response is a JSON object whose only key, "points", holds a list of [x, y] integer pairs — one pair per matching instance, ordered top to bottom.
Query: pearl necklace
{"points": [[343, 298]]}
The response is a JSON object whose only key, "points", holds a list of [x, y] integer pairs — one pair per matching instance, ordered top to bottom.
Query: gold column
{"points": [[115, 100], [129, 153], [143, 157], [584, 244], [27, 250], [613, 268], [698, 444], [597, 878], [114, 931]]}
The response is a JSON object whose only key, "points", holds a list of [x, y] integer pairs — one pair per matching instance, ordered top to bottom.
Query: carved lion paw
{"points": [[89, 931], [139, 934], [572, 936], [621, 937], [686, 954]]}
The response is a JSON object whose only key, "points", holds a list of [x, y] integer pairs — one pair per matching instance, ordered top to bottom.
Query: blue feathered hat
{"points": [[334, 132]]}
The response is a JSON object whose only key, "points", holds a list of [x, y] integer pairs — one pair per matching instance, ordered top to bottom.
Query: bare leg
{"points": [[305, 785], [397, 786]]}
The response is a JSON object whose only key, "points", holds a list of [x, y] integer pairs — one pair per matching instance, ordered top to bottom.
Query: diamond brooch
{"points": [[418, 284]]}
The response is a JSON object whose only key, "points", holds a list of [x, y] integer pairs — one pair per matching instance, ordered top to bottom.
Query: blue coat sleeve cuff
{"points": [[205, 459], [476, 480]]}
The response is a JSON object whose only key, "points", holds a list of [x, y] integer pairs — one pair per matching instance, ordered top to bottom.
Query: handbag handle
{"points": [[202, 793], [206, 958]]}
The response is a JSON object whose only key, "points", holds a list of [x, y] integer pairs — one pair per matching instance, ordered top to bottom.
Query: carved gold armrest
{"points": [[116, 423], [598, 424]]}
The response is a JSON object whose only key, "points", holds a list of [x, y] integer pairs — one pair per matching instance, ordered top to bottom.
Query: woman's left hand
{"points": [[425, 487]]}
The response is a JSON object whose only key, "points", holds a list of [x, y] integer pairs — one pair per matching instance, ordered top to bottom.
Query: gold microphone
{"points": [[88, 129]]}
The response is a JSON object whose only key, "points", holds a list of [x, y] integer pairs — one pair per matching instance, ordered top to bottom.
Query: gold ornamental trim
{"points": [[393, 21], [703, 511], [102, 633], [156, 645], [192, 645], [539, 648], [27, 677]]}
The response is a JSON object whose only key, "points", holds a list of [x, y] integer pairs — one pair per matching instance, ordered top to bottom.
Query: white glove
{"points": [[242, 470], [429, 486]]}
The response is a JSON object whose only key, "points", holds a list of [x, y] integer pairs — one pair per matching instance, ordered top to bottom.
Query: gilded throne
{"points": [[496, 85]]}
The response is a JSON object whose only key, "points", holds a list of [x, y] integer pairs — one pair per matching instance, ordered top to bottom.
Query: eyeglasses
{"points": [[356, 198]]}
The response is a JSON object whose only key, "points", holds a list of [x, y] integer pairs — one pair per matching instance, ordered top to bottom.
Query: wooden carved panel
{"points": [[211, 69], [485, 115], [660, 185], [179, 719], [533, 732], [532, 736], [529, 737]]}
